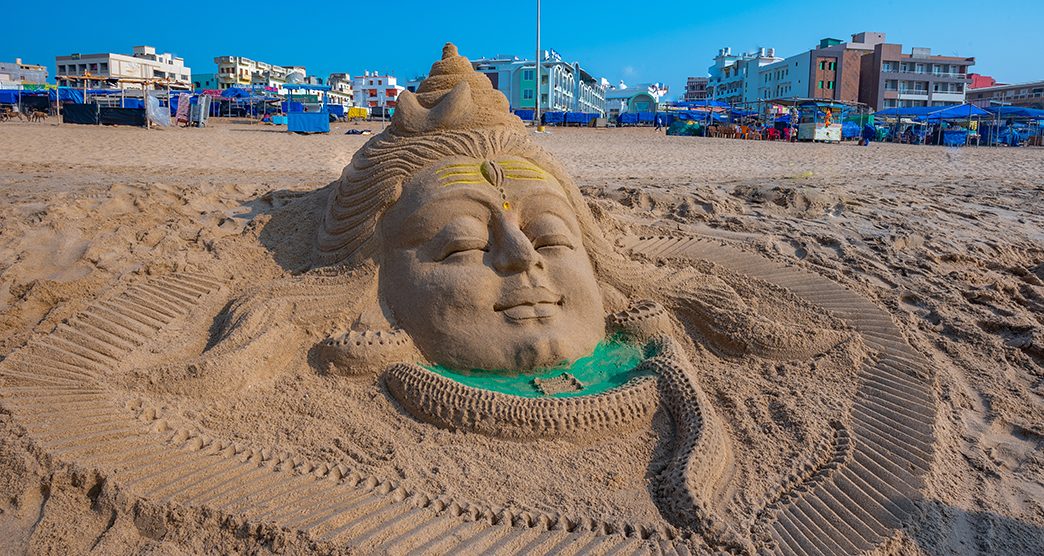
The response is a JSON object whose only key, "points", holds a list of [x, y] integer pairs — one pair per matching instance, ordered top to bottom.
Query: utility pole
{"points": [[539, 62]]}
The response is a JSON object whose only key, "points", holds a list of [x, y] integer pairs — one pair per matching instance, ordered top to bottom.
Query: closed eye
{"points": [[546, 241], [463, 245]]}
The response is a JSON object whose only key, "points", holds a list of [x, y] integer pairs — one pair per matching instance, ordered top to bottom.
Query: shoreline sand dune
{"points": [[948, 243]]}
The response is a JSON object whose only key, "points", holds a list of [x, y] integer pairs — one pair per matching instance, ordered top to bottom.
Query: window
{"points": [[833, 65], [105, 66], [61, 69], [528, 75], [830, 84], [820, 86], [527, 94]]}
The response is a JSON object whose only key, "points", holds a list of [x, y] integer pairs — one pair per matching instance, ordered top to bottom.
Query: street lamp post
{"points": [[539, 57]]}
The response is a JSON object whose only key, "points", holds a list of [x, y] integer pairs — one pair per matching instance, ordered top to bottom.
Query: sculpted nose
{"points": [[514, 252]]}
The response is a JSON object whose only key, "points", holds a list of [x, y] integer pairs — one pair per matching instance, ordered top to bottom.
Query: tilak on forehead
{"points": [[490, 172]]}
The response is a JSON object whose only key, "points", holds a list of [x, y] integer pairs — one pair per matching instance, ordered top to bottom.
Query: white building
{"points": [[144, 63], [239, 71], [17, 73], [734, 78], [563, 86], [372, 90], [341, 91], [1029, 95], [643, 97]]}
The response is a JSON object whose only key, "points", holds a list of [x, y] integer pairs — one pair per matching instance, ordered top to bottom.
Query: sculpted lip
{"points": [[531, 304]]}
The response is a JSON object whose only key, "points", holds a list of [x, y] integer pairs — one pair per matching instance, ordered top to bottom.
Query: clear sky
{"points": [[633, 41]]}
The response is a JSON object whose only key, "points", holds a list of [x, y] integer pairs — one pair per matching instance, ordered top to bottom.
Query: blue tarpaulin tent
{"points": [[235, 92], [691, 104], [1017, 112], [934, 113], [300, 120]]}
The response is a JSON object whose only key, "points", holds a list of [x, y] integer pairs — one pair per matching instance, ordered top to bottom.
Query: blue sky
{"points": [[611, 39]]}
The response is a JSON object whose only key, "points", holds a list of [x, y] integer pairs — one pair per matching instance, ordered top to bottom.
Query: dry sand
{"points": [[949, 242]]}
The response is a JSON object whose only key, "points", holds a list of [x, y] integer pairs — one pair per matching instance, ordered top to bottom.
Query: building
{"points": [[143, 64], [866, 69], [239, 71], [830, 71], [17, 73], [734, 77], [890, 79], [205, 81], [979, 81], [413, 84], [563, 86], [696, 88], [372, 90], [341, 91], [1029, 95], [643, 97]]}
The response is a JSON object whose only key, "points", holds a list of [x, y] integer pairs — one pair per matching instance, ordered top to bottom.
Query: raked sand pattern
{"points": [[842, 346], [55, 388]]}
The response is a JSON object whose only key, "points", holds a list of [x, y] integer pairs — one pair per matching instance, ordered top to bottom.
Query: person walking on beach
{"points": [[658, 122]]}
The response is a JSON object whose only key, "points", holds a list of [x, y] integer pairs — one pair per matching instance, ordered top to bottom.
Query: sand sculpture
{"points": [[453, 241]]}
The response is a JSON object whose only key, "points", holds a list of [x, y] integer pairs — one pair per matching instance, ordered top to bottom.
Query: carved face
{"points": [[483, 264]]}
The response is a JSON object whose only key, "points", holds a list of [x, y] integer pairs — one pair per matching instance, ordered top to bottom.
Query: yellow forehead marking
{"points": [[472, 166], [522, 170], [489, 172], [458, 173], [454, 174], [523, 177], [470, 182]]}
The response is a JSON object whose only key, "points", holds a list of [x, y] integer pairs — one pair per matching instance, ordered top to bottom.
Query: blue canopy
{"points": [[235, 92], [700, 104], [959, 112], [1016, 112], [935, 113]]}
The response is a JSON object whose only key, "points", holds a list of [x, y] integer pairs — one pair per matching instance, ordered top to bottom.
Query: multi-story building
{"points": [[143, 64], [867, 69], [239, 71], [830, 71], [17, 73], [734, 77], [890, 79], [205, 81], [563, 86], [696, 88], [340, 89], [373, 90], [1029, 95], [643, 97]]}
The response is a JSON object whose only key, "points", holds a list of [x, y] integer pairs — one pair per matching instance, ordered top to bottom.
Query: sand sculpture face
{"points": [[483, 265]]}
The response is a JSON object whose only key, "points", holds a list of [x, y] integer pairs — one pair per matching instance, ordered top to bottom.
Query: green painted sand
{"points": [[611, 364]]}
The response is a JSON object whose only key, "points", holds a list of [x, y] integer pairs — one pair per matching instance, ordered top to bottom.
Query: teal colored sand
{"points": [[611, 364]]}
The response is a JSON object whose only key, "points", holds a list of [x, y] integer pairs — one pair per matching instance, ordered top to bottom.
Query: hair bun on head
{"points": [[453, 96]]}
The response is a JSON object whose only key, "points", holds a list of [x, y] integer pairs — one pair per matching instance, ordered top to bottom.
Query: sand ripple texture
{"points": [[946, 245]]}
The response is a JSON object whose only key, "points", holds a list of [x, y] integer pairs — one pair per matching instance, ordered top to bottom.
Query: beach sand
{"points": [[948, 242]]}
